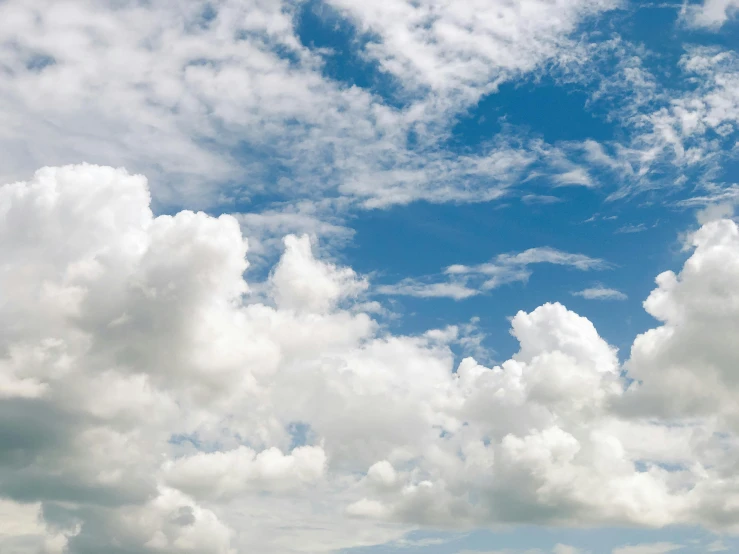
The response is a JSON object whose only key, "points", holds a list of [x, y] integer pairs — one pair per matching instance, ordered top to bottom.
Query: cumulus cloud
{"points": [[301, 284], [130, 332], [686, 366], [153, 403], [233, 472]]}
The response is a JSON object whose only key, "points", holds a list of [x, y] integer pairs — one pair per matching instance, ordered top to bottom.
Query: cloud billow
{"points": [[149, 397]]}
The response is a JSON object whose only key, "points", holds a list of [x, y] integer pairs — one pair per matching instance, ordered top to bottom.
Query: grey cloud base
{"points": [[148, 398]]}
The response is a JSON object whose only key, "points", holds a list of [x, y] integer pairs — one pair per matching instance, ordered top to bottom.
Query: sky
{"points": [[369, 277]]}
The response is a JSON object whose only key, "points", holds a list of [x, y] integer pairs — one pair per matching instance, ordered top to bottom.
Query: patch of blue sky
{"points": [[208, 14], [653, 25], [326, 31], [39, 62], [537, 108], [559, 109], [730, 169], [637, 235], [638, 239], [301, 434], [189, 441]]}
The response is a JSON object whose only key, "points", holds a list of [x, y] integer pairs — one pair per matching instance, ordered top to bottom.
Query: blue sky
{"points": [[638, 235], [450, 336]]}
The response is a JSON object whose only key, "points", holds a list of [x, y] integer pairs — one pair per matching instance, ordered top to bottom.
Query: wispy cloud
{"points": [[459, 50], [220, 101], [678, 135], [577, 176], [717, 195], [540, 199], [267, 228], [632, 228], [509, 268], [464, 281], [420, 289], [600, 293], [717, 546], [651, 548], [558, 549]]}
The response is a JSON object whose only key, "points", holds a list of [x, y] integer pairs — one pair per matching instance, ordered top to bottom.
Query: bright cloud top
{"points": [[151, 404]]}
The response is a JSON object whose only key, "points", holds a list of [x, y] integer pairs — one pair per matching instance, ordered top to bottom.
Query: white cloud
{"points": [[712, 13], [467, 48], [207, 97], [677, 135], [576, 176], [540, 199], [718, 206], [631, 228], [266, 229], [552, 256], [510, 268], [467, 281], [300, 284], [412, 287], [600, 293], [687, 364], [172, 410], [231, 473], [22, 530], [652, 548], [558, 549], [565, 549], [506, 551]]}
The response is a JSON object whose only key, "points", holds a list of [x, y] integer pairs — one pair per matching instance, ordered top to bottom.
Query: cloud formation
{"points": [[198, 94], [675, 132], [510, 268], [465, 281], [419, 289], [151, 404]]}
